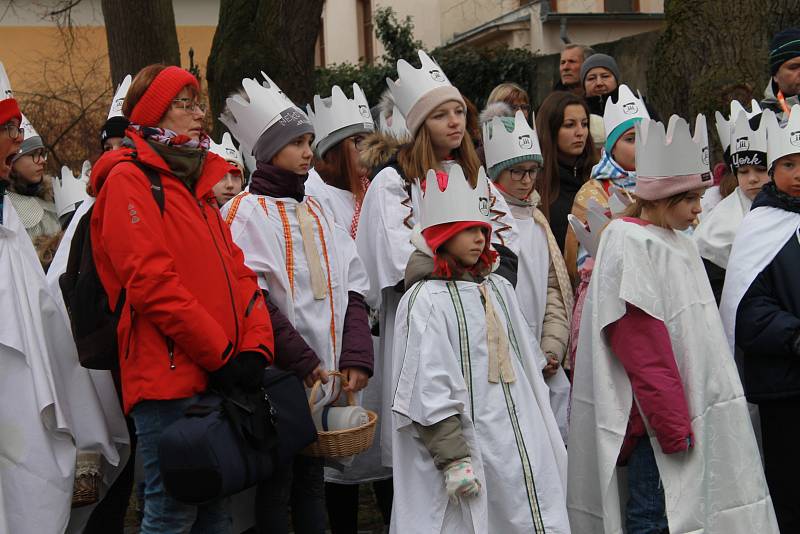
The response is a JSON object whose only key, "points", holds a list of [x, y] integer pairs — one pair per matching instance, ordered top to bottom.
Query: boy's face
{"points": [[786, 174], [751, 179], [467, 245]]}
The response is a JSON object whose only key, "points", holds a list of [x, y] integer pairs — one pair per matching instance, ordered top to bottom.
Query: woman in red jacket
{"points": [[193, 312]]}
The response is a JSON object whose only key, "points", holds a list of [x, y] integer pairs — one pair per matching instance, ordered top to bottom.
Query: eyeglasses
{"points": [[187, 104], [13, 130], [39, 155], [518, 174]]}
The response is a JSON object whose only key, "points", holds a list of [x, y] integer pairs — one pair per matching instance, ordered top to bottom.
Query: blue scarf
{"points": [[608, 169]]}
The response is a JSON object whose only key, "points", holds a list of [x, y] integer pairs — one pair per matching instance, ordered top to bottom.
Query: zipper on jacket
{"points": [[227, 277], [252, 303], [171, 351]]}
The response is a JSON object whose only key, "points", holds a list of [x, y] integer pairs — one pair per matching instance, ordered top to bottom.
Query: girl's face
{"points": [[599, 81], [185, 115], [446, 125], [574, 131], [355, 145], [624, 151], [296, 156], [30, 167], [786, 174], [751, 179], [518, 180], [228, 187], [682, 215], [467, 245]]}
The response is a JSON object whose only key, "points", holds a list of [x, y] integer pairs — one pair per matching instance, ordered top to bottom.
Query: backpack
{"points": [[94, 324]]}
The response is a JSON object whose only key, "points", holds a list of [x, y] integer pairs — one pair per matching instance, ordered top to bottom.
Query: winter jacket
{"points": [[770, 101], [569, 185], [191, 303], [768, 317]]}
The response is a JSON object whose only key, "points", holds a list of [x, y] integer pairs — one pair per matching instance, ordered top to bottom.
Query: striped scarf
{"points": [[608, 169]]}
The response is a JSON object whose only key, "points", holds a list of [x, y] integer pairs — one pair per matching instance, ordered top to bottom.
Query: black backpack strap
{"points": [[155, 183]]}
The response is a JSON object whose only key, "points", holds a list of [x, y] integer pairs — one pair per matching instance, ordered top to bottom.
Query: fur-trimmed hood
{"points": [[380, 150]]}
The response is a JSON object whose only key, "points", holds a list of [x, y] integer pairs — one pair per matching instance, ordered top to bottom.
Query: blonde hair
{"points": [[509, 93], [417, 157], [657, 206]]}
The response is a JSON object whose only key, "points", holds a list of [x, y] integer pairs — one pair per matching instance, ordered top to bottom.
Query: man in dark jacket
{"points": [[784, 66], [569, 68]]}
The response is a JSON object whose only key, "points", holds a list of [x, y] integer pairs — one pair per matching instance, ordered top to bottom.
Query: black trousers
{"points": [[780, 422], [299, 486], [342, 503]]}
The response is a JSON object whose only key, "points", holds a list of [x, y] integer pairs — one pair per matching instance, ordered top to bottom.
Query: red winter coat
{"points": [[191, 301]]}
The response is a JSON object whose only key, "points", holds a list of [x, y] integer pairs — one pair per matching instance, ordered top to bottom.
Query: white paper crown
{"points": [[413, 83], [5, 84], [119, 98], [628, 106], [336, 112], [252, 116], [725, 126], [28, 128], [398, 128], [745, 139], [782, 141], [501, 145], [227, 150], [674, 152], [69, 190], [618, 201], [458, 202], [589, 234]]}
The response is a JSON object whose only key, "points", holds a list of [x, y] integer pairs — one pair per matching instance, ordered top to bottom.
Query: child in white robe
{"points": [[476, 447]]}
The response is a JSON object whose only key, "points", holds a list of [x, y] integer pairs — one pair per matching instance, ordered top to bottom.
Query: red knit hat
{"points": [[156, 100], [9, 110], [436, 236]]}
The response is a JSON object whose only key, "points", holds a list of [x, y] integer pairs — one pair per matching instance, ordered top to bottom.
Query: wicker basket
{"points": [[342, 443], [86, 489]]}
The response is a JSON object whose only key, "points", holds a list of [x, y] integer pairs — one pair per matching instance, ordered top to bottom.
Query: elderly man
{"points": [[784, 64], [569, 69]]}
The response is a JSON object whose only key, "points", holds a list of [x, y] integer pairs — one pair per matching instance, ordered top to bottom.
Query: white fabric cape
{"points": [[709, 202], [259, 226], [715, 233], [763, 233], [384, 245], [531, 289], [441, 370], [48, 405], [102, 424], [367, 466], [718, 486]]}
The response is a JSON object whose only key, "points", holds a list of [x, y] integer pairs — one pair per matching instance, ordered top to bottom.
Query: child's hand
{"points": [[551, 368], [317, 374], [356, 379], [460, 480]]}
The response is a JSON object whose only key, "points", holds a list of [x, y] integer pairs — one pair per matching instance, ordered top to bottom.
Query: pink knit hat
{"points": [[156, 100]]}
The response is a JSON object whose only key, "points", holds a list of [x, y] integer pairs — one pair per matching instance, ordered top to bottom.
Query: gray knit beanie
{"points": [[599, 60], [292, 124], [29, 144]]}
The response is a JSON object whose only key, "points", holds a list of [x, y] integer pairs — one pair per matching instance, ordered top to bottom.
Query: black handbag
{"points": [[225, 444]]}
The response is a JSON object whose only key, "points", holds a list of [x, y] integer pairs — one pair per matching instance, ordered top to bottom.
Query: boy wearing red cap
{"points": [[476, 447]]}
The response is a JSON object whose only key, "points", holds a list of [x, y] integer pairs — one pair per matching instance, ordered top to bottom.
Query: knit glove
{"points": [[460, 480]]}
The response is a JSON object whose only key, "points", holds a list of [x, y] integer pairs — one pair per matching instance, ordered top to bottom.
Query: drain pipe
{"points": [[563, 33]]}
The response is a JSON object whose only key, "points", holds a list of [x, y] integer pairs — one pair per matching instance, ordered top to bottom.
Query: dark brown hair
{"points": [[141, 83], [548, 122], [338, 169]]}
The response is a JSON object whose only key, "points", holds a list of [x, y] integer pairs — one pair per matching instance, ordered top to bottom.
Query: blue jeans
{"points": [[162, 513], [645, 513]]}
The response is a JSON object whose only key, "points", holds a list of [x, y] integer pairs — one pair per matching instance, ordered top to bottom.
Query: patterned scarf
{"points": [[168, 137], [608, 169], [357, 210]]}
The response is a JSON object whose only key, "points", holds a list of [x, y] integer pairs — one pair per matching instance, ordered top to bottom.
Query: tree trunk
{"points": [[139, 34], [276, 36], [712, 52]]}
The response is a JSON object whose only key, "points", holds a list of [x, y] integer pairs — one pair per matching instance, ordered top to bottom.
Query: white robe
{"points": [[260, 226], [715, 233], [384, 245], [531, 289], [441, 370], [40, 412], [103, 427], [367, 466], [718, 486]]}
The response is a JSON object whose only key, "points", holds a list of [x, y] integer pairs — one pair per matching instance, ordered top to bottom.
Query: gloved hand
{"points": [[251, 367], [226, 378], [460, 480]]}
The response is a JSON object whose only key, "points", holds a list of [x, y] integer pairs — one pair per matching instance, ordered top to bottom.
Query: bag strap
{"points": [[156, 187]]}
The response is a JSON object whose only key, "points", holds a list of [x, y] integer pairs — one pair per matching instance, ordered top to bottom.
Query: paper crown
{"points": [[413, 83], [5, 84], [119, 98], [628, 106], [336, 112], [252, 116], [725, 126], [28, 128], [397, 129], [782, 141], [746, 142], [501, 145], [227, 150], [674, 152], [70, 190], [619, 199], [458, 202], [589, 234]]}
